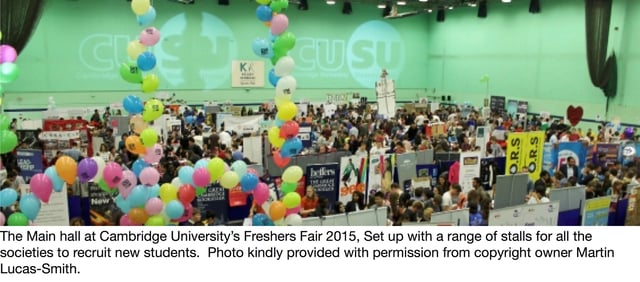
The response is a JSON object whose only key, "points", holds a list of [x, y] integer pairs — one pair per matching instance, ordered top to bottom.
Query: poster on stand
{"points": [[352, 176]]}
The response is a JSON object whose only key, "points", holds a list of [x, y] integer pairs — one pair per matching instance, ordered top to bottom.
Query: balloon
{"points": [[263, 2], [279, 5], [140, 7], [264, 13], [148, 17], [279, 24], [149, 36], [285, 42], [262, 48], [134, 49], [8, 54], [146, 61], [284, 66], [9, 72], [131, 73], [273, 78], [150, 83], [286, 86], [282, 99], [132, 104], [153, 109], [287, 111], [5, 122], [137, 124], [289, 129], [149, 137], [274, 137], [8, 141], [134, 145], [291, 147], [154, 154], [279, 160], [201, 163], [101, 164], [138, 166], [240, 167], [67, 168], [216, 168], [87, 169], [252, 171], [112, 174], [292, 174], [186, 175], [149, 176], [201, 177], [229, 179], [56, 181], [176, 182], [249, 182], [126, 185], [41, 187], [288, 187], [153, 191], [168, 193], [186, 193], [261, 193], [138, 196], [8, 197], [291, 200], [123, 204], [30, 206], [153, 206], [174, 209], [277, 210], [294, 210], [188, 212], [138, 216], [2, 219], [17, 219], [259, 219], [155, 220], [293, 220], [125, 221]]}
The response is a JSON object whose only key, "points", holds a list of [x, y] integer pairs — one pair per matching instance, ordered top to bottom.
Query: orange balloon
{"points": [[267, 24], [134, 145], [67, 169], [277, 211], [138, 216]]}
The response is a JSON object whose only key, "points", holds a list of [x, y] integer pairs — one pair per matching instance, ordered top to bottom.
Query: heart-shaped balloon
{"points": [[574, 114], [279, 160]]}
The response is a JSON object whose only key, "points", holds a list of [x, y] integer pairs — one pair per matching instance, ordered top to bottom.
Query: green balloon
{"points": [[279, 5], [285, 42], [277, 55], [8, 72], [131, 73], [153, 109], [5, 122], [149, 137], [8, 141], [103, 185], [288, 187], [200, 191], [291, 200], [18, 219], [155, 220]]}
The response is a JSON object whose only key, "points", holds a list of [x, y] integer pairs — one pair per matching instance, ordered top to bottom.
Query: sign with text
{"points": [[247, 74], [30, 163], [324, 179], [214, 200]]}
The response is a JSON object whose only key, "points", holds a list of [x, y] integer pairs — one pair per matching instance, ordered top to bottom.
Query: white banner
{"points": [[247, 74], [242, 125], [59, 135], [469, 168], [54, 213], [543, 214]]}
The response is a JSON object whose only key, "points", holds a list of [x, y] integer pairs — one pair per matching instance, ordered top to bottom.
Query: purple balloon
{"points": [[7, 54], [87, 169]]}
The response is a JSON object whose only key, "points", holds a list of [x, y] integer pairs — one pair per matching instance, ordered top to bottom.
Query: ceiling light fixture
{"points": [[424, 0], [506, 1], [331, 2], [401, 3], [381, 6], [450, 7]]}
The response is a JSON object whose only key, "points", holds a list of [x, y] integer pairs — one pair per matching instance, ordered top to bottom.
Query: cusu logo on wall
{"points": [[197, 51]]}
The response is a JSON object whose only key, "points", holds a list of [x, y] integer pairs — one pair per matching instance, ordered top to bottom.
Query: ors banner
{"points": [[247, 74], [515, 147], [525, 149]]}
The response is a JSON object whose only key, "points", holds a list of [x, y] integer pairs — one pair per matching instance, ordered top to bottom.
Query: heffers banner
{"points": [[325, 181]]}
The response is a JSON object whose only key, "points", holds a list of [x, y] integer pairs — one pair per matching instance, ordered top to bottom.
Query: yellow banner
{"points": [[532, 153], [514, 157]]}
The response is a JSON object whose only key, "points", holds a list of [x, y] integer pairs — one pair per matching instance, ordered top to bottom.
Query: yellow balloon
{"points": [[263, 2], [140, 7], [135, 48], [150, 83], [281, 99], [153, 109], [287, 111], [274, 137], [215, 168], [292, 174], [229, 179], [168, 193]]}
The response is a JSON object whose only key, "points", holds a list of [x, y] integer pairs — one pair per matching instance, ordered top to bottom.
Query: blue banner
{"points": [[304, 133], [572, 149], [628, 152], [549, 158], [30, 163], [428, 170], [325, 178], [215, 200]]}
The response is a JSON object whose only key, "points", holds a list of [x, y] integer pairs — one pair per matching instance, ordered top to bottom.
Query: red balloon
{"points": [[289, 129], [279, 160], [186, 194]]}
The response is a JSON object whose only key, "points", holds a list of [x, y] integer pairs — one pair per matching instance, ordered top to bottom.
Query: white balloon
{"points": [[284, 66], [286, 86], [101, 165], [176, 182], [265, 206], [293, 220], [279, 222]]}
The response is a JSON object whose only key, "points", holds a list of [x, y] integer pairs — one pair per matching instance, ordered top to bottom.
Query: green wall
{"points": [[75, 54]]}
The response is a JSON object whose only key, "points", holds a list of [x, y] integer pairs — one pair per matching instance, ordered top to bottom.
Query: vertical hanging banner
{"points": [[515, 144], [533, 153], [469, 168], [324, 179], [350, 180]]}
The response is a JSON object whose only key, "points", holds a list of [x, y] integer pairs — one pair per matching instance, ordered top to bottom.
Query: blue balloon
{"points": [[264, 13], [148, 17], [272, 37], [262, 48], [146, 61], [273, 78], [132, 104], [190, 119], [279, 122], [291, 147], [202, 163], [138, 166], [185, 174], [248, 182], [58, 183], [153, 191], [138, 196], [8, 197], [123, 204], [30, 206], [174, 209], [259, 219], [269, 222]]}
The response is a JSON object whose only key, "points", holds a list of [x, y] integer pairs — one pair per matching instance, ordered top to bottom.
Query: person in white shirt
{"points": [[224, 138], [538, 195]]}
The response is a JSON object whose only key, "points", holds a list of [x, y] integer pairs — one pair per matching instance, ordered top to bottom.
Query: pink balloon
{"points": [[279, 24], [149, 36], [7, 54], [153, 154], [252, 171], [112, 174], [149, 176], [201, 177], [127, 184], [42, 187], [261, 193], [153, 206], [293, 211], [2, 219], [125, 221]]}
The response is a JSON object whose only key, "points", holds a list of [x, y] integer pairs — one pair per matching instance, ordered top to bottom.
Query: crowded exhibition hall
{"points": [[319, 113]]}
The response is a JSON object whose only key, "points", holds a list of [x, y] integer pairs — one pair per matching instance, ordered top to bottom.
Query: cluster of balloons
{"points": [[144, 59], [8, 69], [8, 138], [284, 211]]}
